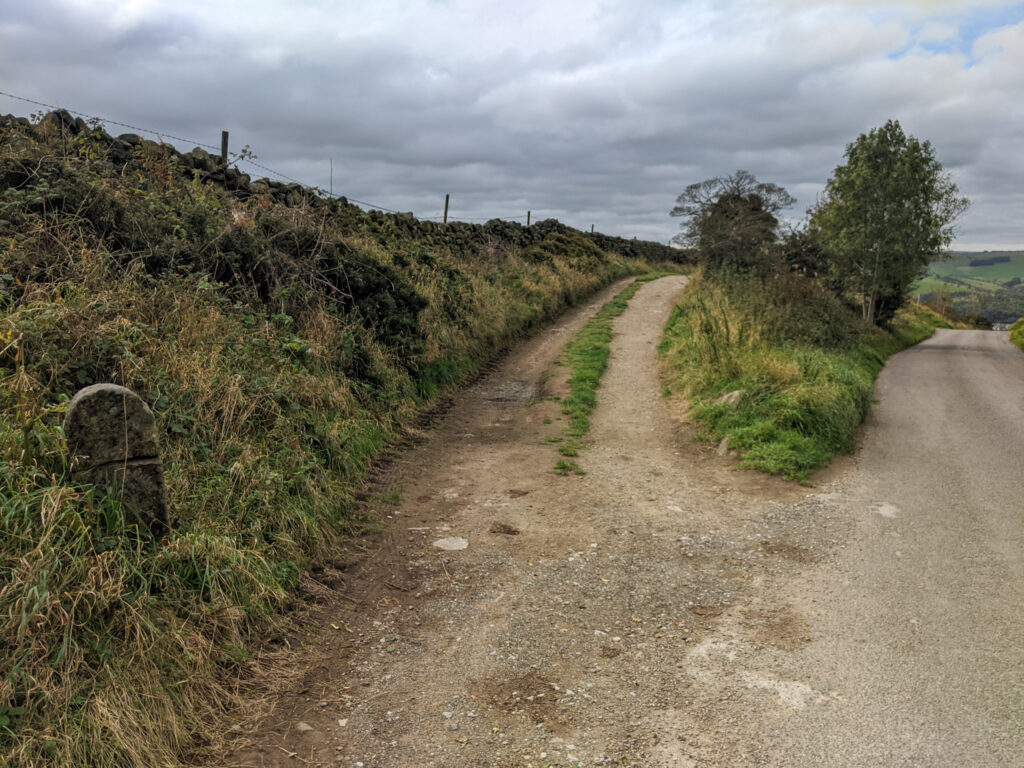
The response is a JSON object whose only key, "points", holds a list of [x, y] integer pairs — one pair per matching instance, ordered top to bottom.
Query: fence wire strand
{"points": [[239, 158]]}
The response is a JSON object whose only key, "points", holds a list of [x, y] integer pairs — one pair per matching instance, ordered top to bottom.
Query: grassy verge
{"points": [[1017, 333], [281, 347], [587, 357], [797, 367]]}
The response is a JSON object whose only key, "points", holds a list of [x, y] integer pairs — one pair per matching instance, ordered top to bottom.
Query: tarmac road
{"points": [[917, 628]]}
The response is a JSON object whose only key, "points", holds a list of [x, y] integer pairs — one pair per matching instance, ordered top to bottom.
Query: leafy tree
{"points": [[886, 214], [731, 221]]}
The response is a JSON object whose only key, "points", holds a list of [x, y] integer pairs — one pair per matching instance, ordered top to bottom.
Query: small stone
{"points": [[729, 398], [451, 543], [323, 703], [343, 723], [302, 727]]}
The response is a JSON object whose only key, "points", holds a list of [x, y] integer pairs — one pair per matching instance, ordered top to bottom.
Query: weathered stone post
{"points": [[112, 441]]}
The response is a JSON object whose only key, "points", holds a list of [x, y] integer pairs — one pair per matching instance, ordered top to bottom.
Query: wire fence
{"points": [[245, 157]]}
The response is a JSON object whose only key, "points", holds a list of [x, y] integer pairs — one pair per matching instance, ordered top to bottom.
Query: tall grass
{"points": [[1017, 333], [280, 349], [799, 365]]}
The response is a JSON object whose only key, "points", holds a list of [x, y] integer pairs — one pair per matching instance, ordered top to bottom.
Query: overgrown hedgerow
{"points": [[280, 349], [803, 366]]}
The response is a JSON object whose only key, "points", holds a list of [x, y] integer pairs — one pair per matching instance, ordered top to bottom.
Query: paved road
{"points": [[918, 628]]}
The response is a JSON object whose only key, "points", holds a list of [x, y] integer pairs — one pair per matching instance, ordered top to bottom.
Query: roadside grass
{"points": [[1017, 333], [281, 349], [587, 358], [800, 368]]}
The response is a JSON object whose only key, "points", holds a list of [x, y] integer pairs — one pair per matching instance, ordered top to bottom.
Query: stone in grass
{"points": [[729, 398], [112, 442], [451, 543]]}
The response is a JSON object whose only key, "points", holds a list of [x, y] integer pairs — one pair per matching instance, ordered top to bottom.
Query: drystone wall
{"points": [[459, 237]]}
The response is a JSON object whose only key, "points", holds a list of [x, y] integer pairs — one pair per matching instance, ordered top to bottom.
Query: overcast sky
{"points": [[590, 111]]}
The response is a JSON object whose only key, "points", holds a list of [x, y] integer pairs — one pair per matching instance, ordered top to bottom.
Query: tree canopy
{"points": [[886, 213], [731, 220]]}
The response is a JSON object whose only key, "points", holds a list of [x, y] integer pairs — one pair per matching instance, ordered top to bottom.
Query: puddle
{"points": [[509, 392]]}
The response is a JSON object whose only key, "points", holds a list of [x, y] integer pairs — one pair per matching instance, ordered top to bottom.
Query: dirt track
{"points": [[663, 610]]}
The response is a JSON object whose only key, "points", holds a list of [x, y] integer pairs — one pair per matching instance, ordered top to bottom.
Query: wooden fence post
{"points": [[224, 147], [446, 209], [527, 218]]}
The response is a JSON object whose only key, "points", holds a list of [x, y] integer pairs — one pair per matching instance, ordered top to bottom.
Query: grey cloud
{"points": [[595, 112]]}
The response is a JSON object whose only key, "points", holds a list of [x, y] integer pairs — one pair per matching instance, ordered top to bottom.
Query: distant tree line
{"points": [[987, 261]]}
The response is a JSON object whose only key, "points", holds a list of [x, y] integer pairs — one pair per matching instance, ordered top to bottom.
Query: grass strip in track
{"points": [[587, 357]]}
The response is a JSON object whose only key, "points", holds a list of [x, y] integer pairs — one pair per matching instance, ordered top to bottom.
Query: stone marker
{"points": [[111, 438]]}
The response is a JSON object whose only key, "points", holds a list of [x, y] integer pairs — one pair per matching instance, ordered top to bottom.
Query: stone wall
{"points": [[460, 237]]}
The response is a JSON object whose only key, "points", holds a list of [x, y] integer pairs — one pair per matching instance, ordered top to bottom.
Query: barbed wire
{"points": [[109, 121], [243, 157]]}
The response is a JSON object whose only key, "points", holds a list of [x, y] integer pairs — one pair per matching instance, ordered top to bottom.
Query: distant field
{"points": [[957, 274], [983, 290]]}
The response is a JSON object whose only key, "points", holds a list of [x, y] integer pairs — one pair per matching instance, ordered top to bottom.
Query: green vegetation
{"points": [[887, 212], [729, 221], [1002, 266], [1017, 333], [777, 346], [281, 347], [587, 357], [801, 363], [564, 468]]}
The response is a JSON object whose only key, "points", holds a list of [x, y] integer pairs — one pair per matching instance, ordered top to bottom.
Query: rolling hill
{"points": [[988, 283]]}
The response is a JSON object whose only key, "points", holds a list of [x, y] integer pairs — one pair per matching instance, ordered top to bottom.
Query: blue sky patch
{"points": [[970, 24]]}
